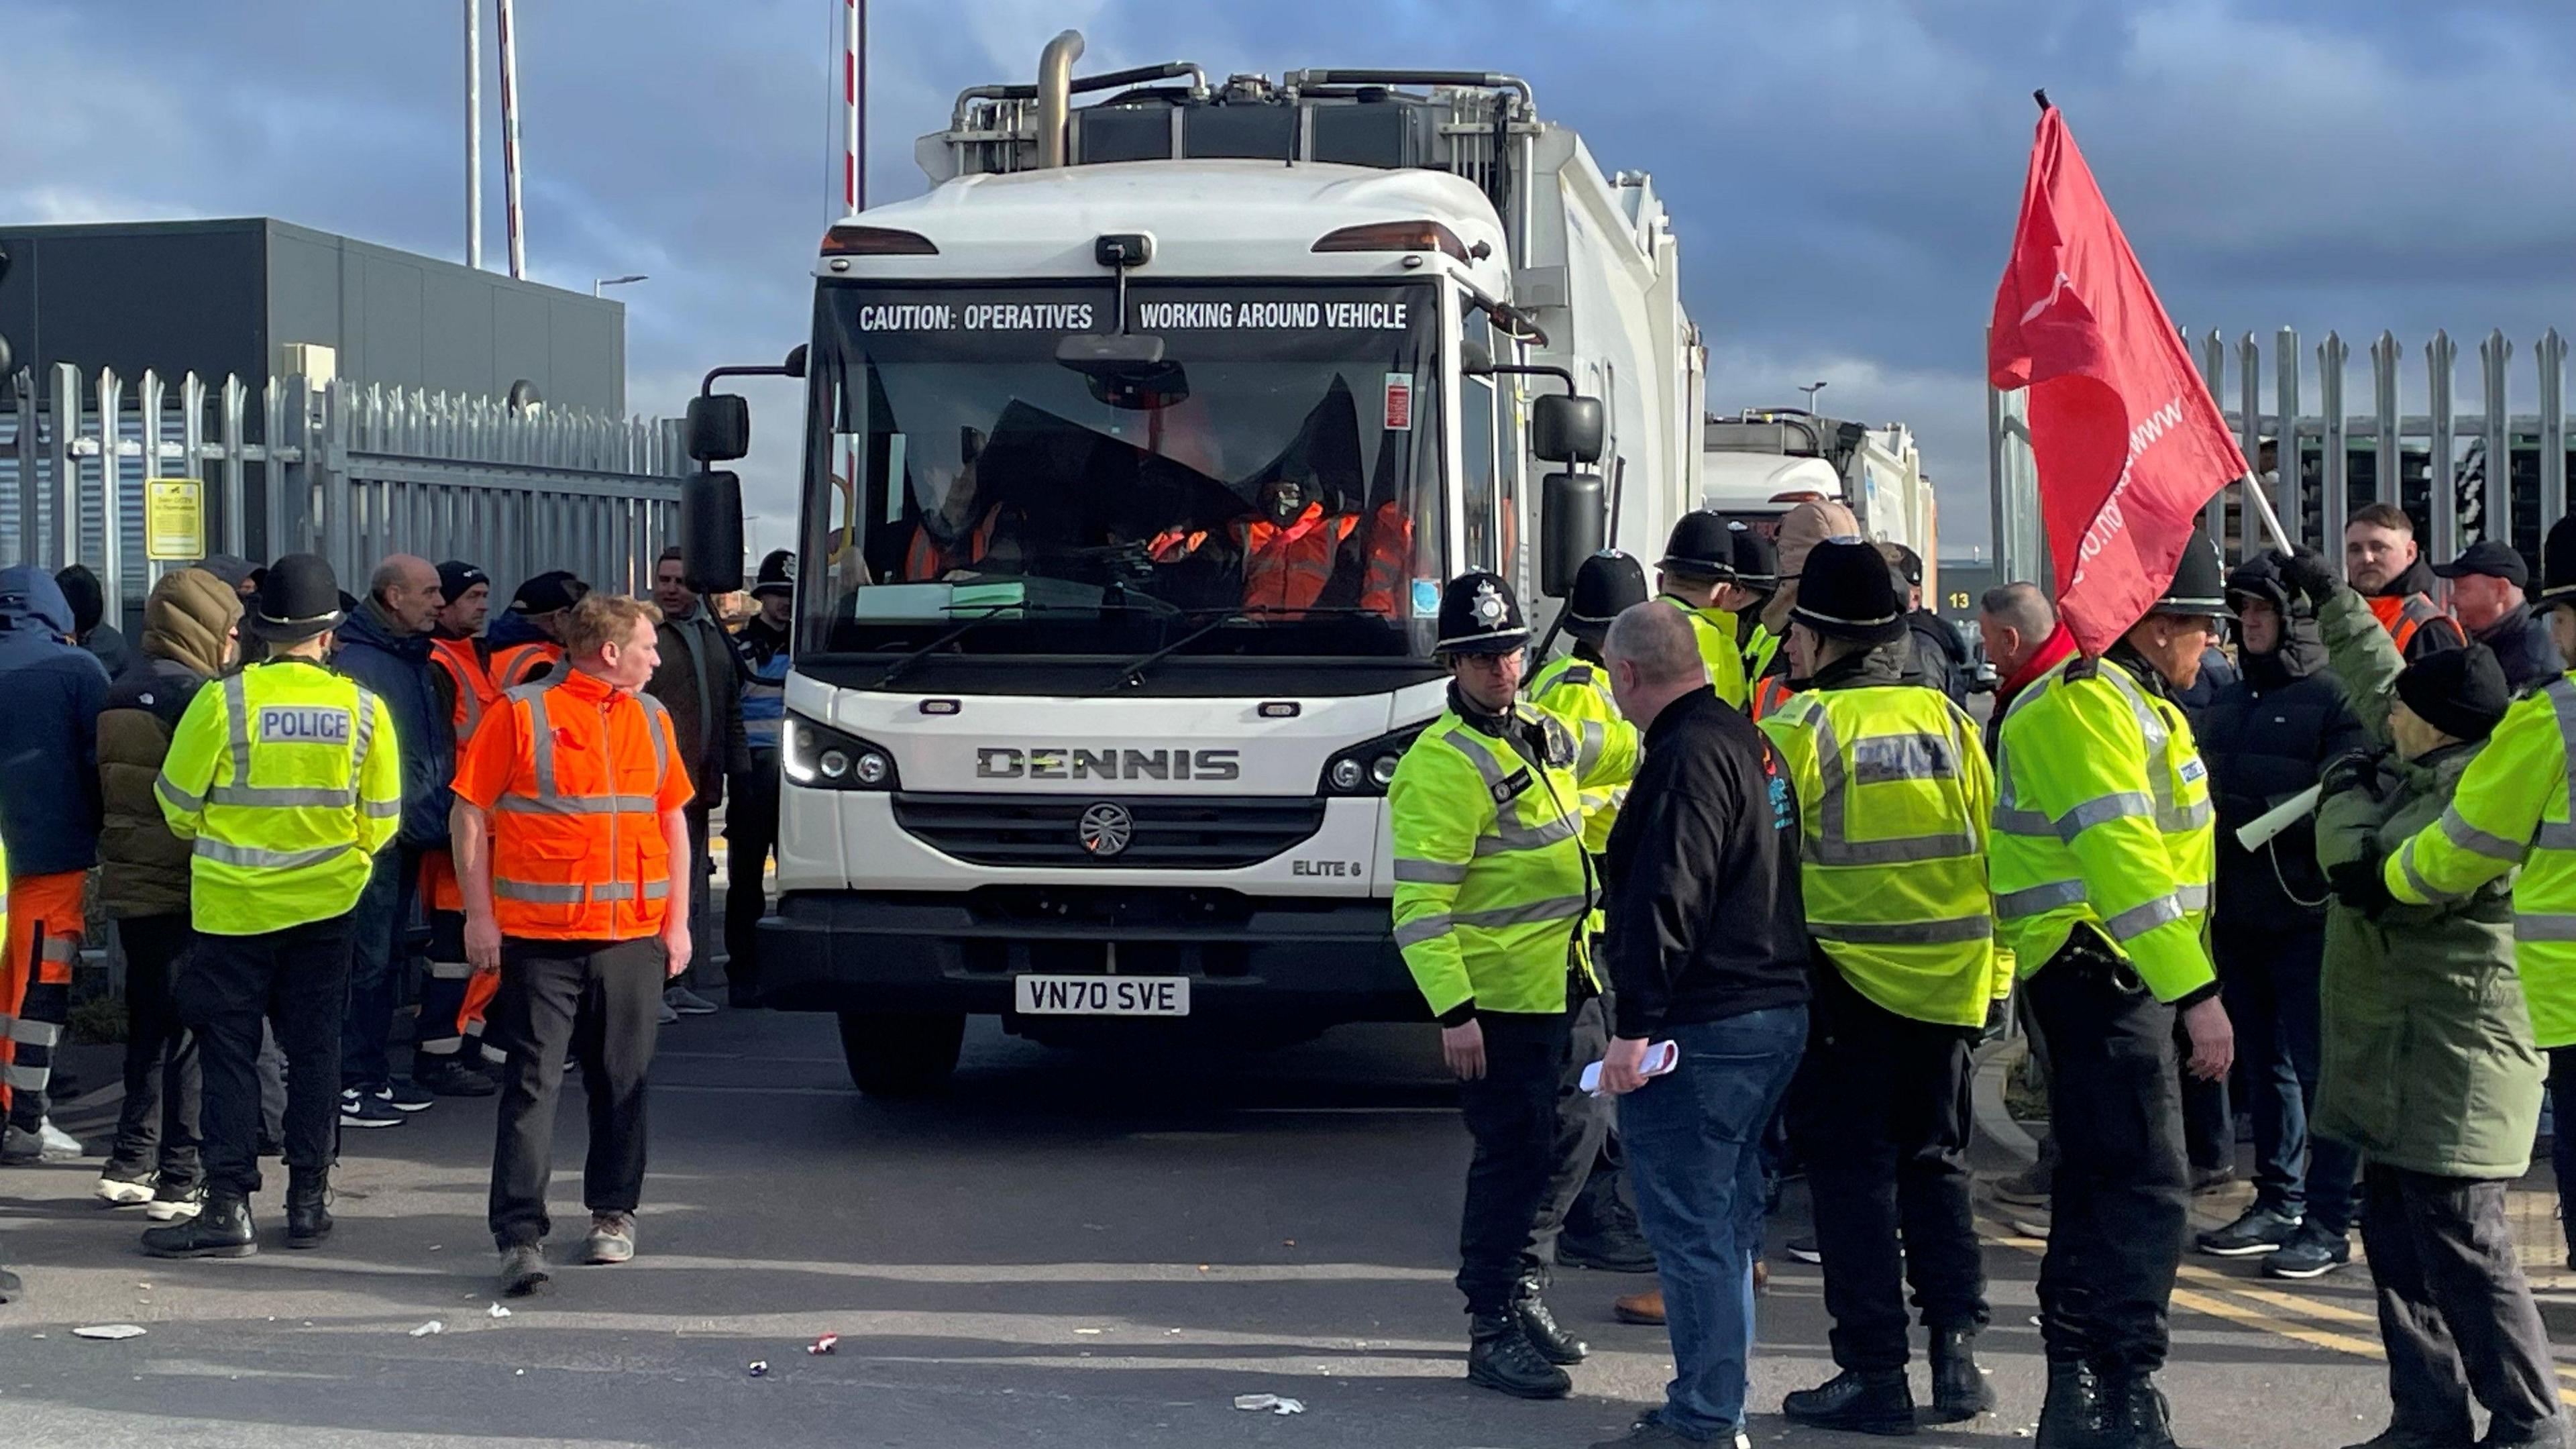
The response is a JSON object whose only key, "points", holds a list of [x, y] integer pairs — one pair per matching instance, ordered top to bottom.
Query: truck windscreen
{"points": [[1264, 483]]}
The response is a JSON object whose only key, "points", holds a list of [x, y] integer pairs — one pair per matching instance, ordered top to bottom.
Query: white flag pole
{"points": [[2262, 502]]}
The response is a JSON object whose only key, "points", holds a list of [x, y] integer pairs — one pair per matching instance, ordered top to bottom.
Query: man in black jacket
{"points": [[2487, 581], [1940, 660], [2266, 738], [1707, 950]]}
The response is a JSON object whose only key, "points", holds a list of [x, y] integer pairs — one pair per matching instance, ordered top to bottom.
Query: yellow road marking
{"points": [[2223, 1303]]}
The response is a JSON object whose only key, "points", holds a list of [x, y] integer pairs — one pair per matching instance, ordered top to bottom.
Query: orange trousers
{"points": [[46, 916]]}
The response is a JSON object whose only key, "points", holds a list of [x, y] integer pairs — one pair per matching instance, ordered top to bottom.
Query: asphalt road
{"points": [[1076, 1249]]}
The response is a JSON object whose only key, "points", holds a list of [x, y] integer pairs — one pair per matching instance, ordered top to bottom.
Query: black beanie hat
{"points": [[81, 590], [2457, 691]]}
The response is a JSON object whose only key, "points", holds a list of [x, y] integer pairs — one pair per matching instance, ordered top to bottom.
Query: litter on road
{"points": [[500, 1312], [426, 1329], [109, 1331], [825, 1344], [759, 1368], [1269, 1404]]}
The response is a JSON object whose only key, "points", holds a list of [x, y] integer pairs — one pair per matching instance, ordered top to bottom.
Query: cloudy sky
{"points": [[1843, 173]]}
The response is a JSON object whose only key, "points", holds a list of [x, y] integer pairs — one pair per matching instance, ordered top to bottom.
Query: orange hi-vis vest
{"points": [[928, 559], [1390, 559], [1287, 567], [2402, 614], [524, 663], [1771, 692], [476, 695], [575, 776]]}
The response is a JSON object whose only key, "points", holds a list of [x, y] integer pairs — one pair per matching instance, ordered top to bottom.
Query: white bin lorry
{"points": [[1137, 452]]}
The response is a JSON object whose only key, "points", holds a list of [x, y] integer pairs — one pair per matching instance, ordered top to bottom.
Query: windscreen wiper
{"points": [[987, 613], [1132, 673]]}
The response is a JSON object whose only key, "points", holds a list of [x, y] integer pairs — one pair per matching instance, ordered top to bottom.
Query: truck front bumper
{"points": [[1263, 961]]}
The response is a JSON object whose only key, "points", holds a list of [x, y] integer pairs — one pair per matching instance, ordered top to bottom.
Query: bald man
{"points": [[385, 647]]}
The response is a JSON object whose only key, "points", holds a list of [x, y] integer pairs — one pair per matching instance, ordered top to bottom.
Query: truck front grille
{"points": [[1161, 832]]}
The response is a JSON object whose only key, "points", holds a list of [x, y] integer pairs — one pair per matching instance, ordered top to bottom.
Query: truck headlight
{"points": [[822, 758], [1368, 768]]}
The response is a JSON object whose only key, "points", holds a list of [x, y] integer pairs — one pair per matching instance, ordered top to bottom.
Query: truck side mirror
{"points": [[719, 427], [1566, 429], [1573, 525], [711, 530]]}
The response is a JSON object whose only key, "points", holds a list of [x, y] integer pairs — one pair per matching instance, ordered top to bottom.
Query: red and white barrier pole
{"points": [[854, 64]]}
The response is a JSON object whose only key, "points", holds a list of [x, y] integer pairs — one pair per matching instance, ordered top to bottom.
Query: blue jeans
{"points": [[379, 946], [2269, 981], [1693, 1141]]}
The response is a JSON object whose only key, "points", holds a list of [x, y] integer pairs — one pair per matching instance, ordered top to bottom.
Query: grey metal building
{"points": [[231, 297]]}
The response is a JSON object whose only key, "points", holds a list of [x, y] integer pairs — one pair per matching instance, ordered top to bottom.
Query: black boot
{"points": [[308, 1211], [222, 1230], [1553, 1343], [1501, 1357], [1959, 1388], [1860, 1401], [2079, 1413], [2144, 1417]]}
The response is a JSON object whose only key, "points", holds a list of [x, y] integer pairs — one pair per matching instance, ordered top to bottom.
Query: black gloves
{"points": [[2306, 574], [2363, 770], [2361, 884]]}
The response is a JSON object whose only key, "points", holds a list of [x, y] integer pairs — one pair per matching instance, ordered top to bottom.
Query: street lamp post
{"points": [[617, 281], [1811, 389]]}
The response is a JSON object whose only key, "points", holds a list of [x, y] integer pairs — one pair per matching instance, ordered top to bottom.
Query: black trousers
{"points": [[751, 833], [297, 980], [601, 1000], [1881, 1103], [1511, 1113], [1582, 1125], [157, 1130], [2122, 1193], [2454, 1309]]}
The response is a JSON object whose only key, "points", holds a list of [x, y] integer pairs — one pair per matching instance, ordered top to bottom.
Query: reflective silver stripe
{"points": [[2562, 702], [237, 710], [657, 724], [541, 734], [361, 738], [1588, 751], [283, 796], [192, 804], [575, 804], [382, 809], [2085, 814], [2184, 817], [2008, 821], [2457, 830], [2555, 835], [1512, 838], [1904, 850], [256, 858], [1429, 872], [2415, 878], [654, 890], [551, 893], [2192, 898], [2032, 900], [1555, 908], [2136, 921], [2536, 926], [1421, 929], [1949, 932], [60, 948], [450, 970], [6, 1022], [35, 1033], [27, 1079]]}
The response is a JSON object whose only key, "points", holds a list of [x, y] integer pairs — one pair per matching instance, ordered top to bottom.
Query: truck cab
{"points": [[1137, 453]]}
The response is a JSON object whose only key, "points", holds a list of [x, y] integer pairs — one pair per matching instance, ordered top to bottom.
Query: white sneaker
{"points": [[56, 1145], [118, 1192]]}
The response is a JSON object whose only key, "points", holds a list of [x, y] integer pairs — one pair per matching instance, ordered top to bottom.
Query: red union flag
{"points": [[2128, 442]]}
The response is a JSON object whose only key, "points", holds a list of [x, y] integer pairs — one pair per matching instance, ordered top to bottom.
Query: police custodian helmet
{"points": [[1700, 547], [2558, 567], [1608, 583], [2199, 586], [1846, 591], [298, 599], [1478, 615]]}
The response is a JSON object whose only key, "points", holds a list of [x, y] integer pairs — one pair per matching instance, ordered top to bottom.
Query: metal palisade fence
{"points": [[348, 470], [2464, 472]]}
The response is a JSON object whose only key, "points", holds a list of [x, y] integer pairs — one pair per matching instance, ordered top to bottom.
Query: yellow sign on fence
{"points": [[174, 519]]}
